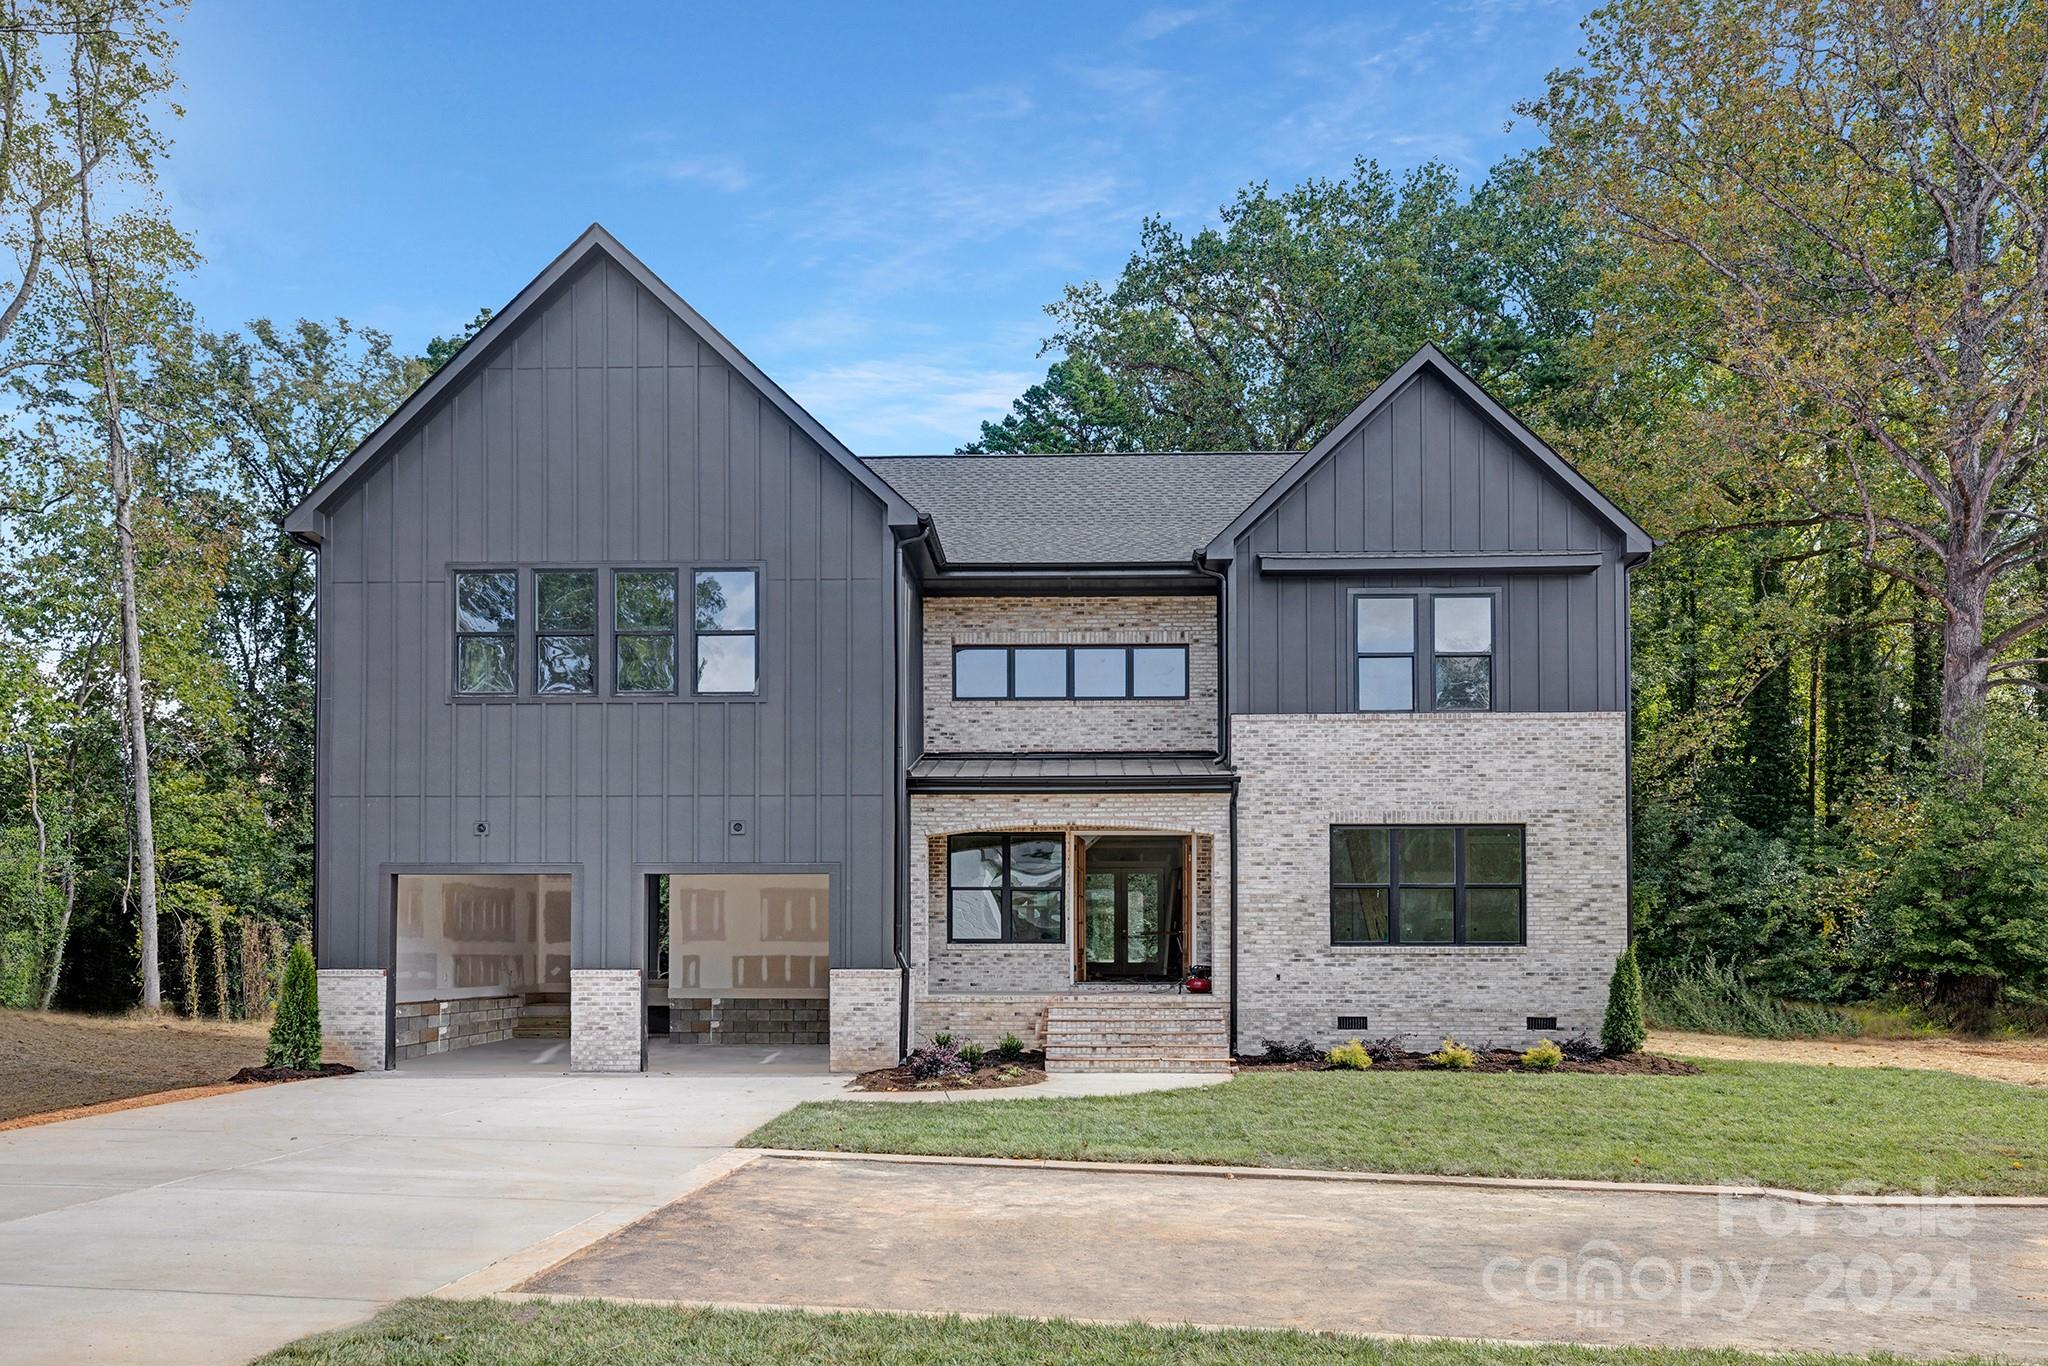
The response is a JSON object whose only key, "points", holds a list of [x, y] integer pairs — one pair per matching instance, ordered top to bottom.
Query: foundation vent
{"points": [[1352, 1022], [1542, 1022]]}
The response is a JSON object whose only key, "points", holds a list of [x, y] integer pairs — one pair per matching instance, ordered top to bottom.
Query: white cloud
{"points": [[1161, 20], [725, 173], [907, 405]]}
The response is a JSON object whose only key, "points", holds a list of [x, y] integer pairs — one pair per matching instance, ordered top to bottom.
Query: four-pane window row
{"points": [[644, 631], [1032, 672], [1455, 672], [1426, 884]]}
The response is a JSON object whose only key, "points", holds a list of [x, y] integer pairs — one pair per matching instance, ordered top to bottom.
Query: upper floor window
{"points": [[727, 620], [644, 631], [486, 632], [565, 632], [1458, 667], [1070, 671], [1426, 884], [1006, 889]]}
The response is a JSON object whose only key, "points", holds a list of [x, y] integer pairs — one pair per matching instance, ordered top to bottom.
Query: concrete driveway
{"points": [[213, 1230]]}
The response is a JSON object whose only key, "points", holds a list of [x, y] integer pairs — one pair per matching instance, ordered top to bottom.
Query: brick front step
{"points": [[541, 1029], [1137, 1033], [1138, 1065]]}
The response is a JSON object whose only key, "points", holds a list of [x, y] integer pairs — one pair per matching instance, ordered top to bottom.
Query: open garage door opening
{"points": [[482, 959], [740, 959]]}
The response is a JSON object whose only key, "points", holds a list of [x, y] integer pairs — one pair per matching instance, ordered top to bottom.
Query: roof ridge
{"points": [[1062, 455]]}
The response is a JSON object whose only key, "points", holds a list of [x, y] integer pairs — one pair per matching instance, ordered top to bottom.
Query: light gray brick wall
{"points": [[1081, 724], [1561, 775], [939, 967], [866, 1004], [983, 1019], [607, 1020], [352, 1021]]}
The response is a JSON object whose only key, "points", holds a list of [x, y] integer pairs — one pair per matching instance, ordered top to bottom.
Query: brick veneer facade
{"points": [[1076, 724], [1562, 776], [979, 992], [865, 1010], [352, 1019], [607, 1020], [748, 1020], [438, 1026]]}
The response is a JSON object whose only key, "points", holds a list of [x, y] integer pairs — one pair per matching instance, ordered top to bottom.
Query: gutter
{"points": [[1222, 577], [900, 921]]}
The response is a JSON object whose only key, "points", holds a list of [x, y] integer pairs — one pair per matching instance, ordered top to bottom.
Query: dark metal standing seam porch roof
{"points": [[1070, 773]]}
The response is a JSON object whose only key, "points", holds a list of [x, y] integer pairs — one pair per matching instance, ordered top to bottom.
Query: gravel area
{"points": [[2023, 1062]]}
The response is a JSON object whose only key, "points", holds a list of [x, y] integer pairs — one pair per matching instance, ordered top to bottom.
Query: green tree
{"points": [[1622, 1031], [295, 1033]]}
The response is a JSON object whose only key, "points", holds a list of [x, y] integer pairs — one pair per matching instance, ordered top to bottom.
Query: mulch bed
{"points": [[1495, 1060], [1026, 1069], [269, 1074]]}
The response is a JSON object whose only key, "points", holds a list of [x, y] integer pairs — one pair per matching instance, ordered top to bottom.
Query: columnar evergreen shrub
{"points": [[1623, 1031], [295, 1033]]}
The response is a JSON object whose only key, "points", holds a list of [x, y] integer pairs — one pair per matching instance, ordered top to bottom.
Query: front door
{"points": [[1131, 889]]}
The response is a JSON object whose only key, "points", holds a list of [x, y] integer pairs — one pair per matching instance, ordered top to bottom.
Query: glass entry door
{"points": [[1132, 900]]}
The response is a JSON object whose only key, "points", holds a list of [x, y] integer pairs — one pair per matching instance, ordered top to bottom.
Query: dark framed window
{"points": [[727, 625], [644, 631], [487, 632], [565, 632], [1383, 643], [1423, 650], [1461, 657], [1039, 672], [1427, 884], [1006, 889]]}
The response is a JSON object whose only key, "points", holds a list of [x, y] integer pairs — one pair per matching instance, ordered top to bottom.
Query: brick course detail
{"points": [[1070, 724], [1560, 775], [864, 1006], [352, 1018], [607, 1020], [749, 1020], [439, 1026]]}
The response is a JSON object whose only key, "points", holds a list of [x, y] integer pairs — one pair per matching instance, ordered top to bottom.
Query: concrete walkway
{"points": [[212, 1230], [1690, 1270]]}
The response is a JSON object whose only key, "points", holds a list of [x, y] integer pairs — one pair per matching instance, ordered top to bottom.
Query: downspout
{"points": [[1222, 578], [900, 922]]}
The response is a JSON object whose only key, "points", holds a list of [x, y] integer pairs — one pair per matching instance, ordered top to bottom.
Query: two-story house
{"points": [[652, 714]]}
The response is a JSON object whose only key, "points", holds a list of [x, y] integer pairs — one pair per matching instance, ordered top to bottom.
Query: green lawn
{"points": [[1809, 1128], [593, 1331]]}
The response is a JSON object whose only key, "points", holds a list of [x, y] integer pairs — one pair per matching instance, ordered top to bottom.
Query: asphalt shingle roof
{"points": [[1081, 509]]}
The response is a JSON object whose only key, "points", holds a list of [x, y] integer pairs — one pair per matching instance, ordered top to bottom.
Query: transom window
{"points": [[727, 627], [644, 631], [486, 632], [565, 632], [1458, 665], [1029, 672], [1426, 884], [1006, 889]]}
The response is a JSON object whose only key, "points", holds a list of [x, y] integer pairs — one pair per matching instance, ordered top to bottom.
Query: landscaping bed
{"points": [[1492, 1060], [1027, 1069], [266, 1075]]}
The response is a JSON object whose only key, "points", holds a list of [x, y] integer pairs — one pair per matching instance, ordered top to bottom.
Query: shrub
{"points": [[1707, 998], [1622, 1032], [295, 1033], [1010, 1047], [1579, 1048], [1389, 1049], [1301, 1050], [972, 1054], [1455, 1056], [1349, 1057], [1544, 1057], [936, 1060]]}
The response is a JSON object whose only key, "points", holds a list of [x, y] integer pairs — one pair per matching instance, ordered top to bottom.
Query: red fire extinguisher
{"points": [[1198, 982]]}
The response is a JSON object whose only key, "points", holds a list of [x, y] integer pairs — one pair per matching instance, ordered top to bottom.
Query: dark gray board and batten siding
{"points": [[600, 431], [1429, 472]]}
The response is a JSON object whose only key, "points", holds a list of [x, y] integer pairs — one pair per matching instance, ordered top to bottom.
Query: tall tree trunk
{"points": [[1965, 680]]}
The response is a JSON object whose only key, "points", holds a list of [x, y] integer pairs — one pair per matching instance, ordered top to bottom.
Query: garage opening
{"points": [[482, 958], [740, 958]]}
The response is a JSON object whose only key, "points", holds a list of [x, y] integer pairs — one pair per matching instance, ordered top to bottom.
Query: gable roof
{"points": [[1157, 508], [303, 521], [1636, 542]]}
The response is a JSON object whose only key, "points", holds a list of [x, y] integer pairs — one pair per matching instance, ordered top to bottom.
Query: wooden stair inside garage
{"points": [[545, 1015], [1140, 1032]]}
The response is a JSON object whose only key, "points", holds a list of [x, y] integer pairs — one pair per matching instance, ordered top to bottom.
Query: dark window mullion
{"points": [[1394, 886]]}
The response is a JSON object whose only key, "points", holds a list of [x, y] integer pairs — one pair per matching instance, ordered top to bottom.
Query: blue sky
{"points": [[873, 201]]}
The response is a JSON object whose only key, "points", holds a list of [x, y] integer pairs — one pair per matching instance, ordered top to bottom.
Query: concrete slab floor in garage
{"points": [[212, 1230]]}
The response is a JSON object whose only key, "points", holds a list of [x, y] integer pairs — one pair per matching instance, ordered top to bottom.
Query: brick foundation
{"points": [[1562, 776], [982, 1019], [607, 1020], [752, 1020], [352, 1021], [864, 1022], [426, 1027]]}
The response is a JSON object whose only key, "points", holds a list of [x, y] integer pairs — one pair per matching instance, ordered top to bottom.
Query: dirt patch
{"points": [[1496, 1060], [61, 1062], [2023, 1062], [1026, 1069]]}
